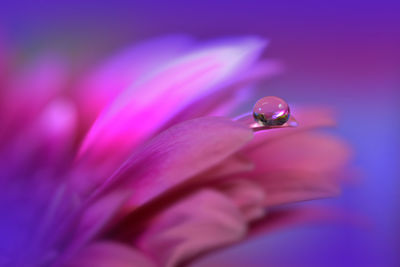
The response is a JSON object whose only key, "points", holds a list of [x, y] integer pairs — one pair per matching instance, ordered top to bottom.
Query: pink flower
{"points": [[128, 165]]}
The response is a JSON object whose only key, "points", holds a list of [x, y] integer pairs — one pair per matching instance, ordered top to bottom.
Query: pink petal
{"points": [[121, 71], [223, 101], [139, 111], [311, 152], [178, 154], [234, 165], [299, 167], [289, 187], [248, 196], [96, 217], [204, 221], [107, 254]]}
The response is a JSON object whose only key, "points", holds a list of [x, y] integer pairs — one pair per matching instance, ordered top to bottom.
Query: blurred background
{"points": [[340, 53]]}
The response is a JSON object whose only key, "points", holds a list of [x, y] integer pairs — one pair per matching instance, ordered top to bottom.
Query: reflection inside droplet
{"points": [[271, 111]]}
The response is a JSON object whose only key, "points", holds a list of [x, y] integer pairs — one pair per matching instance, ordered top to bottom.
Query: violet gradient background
{"points": [[342, 53]]}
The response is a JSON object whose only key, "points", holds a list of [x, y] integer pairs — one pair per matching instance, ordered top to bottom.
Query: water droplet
{"points": [[271, 111]]}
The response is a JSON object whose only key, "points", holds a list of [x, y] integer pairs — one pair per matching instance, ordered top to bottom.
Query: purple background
{"points": [[342, 53]]}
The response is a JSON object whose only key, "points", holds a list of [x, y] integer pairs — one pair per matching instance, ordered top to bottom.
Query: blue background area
{"points": [[344, 53]]}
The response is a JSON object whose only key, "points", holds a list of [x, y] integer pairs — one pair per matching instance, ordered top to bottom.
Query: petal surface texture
{"points": [[139, 111], [178, 154], [178, 234]]}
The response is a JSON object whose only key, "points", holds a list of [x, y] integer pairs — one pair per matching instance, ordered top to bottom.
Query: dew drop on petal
{"points": [[271, 111]]}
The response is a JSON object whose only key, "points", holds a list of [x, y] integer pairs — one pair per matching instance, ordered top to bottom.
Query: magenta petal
{"points": [[121, 71], [223, 101], [142, 109], [313, 152], [179, 153], [234, 165], [299, 167], [289, 187], [248, 196], [96, 217], [204, 221], [107, 254]]}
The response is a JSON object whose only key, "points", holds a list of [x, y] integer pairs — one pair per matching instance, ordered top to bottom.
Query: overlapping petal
{"points": [[124, 69], [163, 94], [179, 153], [299, 167], [248, 196], [179, 234]]}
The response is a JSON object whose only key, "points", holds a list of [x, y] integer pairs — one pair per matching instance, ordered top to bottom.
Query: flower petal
{"points": [[121, 71], [223, 101], [139, 111], [181, 152], [311, 152], [231, 166], [299, 167], [289, 187], [248, 196], [96, 217], [180, 233], [107, 253]]}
